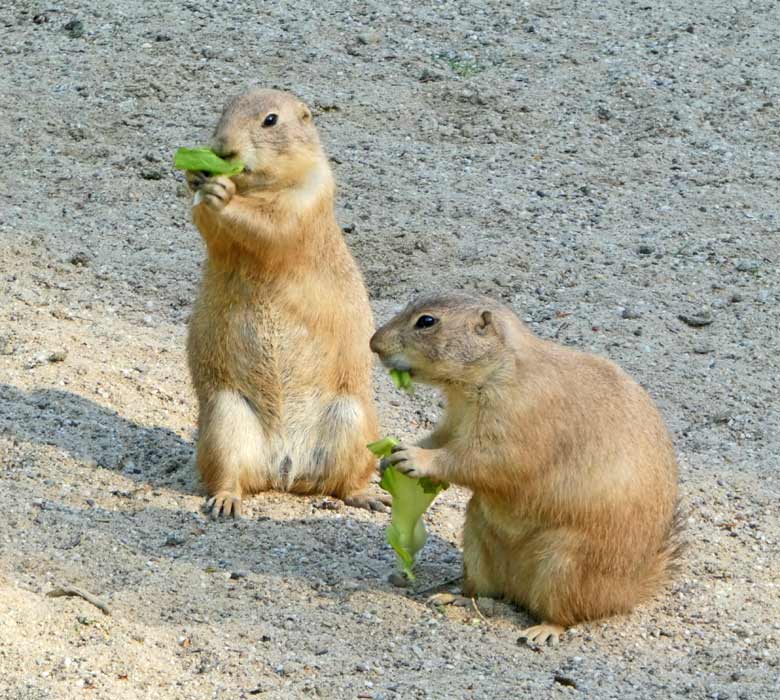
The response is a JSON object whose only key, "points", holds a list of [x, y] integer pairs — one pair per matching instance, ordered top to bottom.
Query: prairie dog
{"points": [[278, 339], [574, 477]]}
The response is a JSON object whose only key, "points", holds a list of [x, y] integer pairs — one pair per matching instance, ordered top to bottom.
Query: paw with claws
{"points": [[195, 180], [215, 192], [412, 461], [380, 503], [225, 504], [459, 601], [545, 633]]}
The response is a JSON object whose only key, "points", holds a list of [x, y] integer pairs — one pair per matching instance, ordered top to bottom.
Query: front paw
{"points": [[195, 180], [216, 192], [412, 461], [225, 504], [546, 633]]}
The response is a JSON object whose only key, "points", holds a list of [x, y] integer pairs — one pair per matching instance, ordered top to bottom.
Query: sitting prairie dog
{"points": [[278, 338], [574, 508]]}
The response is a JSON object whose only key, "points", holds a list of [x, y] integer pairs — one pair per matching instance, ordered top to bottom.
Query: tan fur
{"points": [[278, 340], [573, 472]]}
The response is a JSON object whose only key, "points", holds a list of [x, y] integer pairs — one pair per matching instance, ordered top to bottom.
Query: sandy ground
{"points": [[604, 167]]}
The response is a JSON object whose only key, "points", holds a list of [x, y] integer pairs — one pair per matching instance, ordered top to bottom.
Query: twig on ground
{"points": [[81, 593], [476, 607]]}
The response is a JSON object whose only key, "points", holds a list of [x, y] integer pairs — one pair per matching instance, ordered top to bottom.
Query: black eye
{"points": [[270, 120], [426, 321]]}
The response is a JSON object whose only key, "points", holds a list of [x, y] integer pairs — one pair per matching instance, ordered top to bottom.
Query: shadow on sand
{"points": [[96, 435], [324, 550]]}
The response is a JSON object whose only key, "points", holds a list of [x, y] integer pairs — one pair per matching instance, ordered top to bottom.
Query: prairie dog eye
{"points": [[270, 120], [426, 321]]}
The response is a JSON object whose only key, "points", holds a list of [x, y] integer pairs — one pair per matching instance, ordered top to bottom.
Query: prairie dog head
{"points": [[273, 133], [450, 339]]}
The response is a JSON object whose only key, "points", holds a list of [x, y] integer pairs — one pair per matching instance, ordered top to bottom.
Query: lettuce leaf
{"points": [[205, 160], [401, 379], [411, 497]]}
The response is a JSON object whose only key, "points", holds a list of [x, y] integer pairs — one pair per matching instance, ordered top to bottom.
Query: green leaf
{"points": [[205, 160], [401, 379], [383, 447], [430, 486], [411, 497], [406, 533], [403, 548]]}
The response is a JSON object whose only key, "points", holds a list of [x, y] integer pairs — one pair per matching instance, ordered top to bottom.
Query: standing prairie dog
{"points": [[278, 339], [574, 478]]}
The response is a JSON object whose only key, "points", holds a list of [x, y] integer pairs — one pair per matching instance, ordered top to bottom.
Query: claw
{"points": [[217, 191], [366, 501], [225, 504], [458, 601], [542, 634]]}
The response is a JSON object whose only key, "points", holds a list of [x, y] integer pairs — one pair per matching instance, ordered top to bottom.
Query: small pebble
{"points": [[74, 28], [367, 38], [430, 76], [80, 259], [747, 265], [629, 312], [697, 320], [564, 681]]}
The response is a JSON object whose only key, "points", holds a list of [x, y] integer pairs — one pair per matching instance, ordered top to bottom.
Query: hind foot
{"points": [[367, 501], [225, 504], [460, 601], [484, 606], [542, 634]]}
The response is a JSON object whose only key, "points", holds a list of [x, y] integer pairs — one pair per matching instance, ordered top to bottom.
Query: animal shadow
{"points": [[97, 435], [331, 553]]}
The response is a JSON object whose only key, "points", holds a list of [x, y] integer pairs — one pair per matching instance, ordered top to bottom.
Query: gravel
{"points": [[573, 159]]}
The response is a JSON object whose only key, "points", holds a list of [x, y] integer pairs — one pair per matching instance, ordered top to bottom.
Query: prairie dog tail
{"points": [[675, 543], [667, 562]]}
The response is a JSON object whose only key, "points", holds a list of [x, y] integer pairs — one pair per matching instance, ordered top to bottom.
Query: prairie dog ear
{"points": [[305, 113], [485, 323]]}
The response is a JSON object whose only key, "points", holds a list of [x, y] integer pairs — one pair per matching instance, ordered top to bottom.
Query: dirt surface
{"points": [[607, 168]]}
